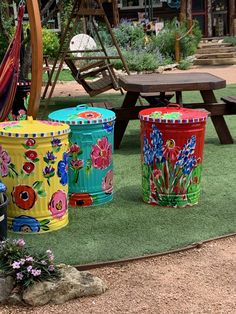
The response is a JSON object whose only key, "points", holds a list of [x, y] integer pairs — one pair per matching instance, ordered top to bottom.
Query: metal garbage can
{"points": [[172, 142], [90, 153], [34, 167], [3, 212]]}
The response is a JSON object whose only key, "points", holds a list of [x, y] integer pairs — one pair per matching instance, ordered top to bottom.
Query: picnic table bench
{"points": [[205, 83]]}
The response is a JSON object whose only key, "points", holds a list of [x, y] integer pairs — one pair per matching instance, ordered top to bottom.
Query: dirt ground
{"points": [[73, 89], [197, 281]]}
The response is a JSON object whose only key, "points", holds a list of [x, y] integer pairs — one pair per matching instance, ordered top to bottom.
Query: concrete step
{"points": [[214, 45], [216, 50], [216, 55], [216, 61]]}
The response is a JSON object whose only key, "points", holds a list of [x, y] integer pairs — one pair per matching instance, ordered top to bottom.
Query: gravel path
{"points": [[197, 281]]}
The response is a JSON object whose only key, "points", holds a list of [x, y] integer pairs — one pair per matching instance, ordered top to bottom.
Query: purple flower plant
{"points": [[20, 242], [16, 265], [19, 276]]}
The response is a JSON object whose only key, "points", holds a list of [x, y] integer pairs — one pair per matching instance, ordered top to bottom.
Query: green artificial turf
{"points": [[127, 227]]}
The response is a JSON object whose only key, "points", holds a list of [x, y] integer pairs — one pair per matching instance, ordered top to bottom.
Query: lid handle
{"points": [[171, 105], [81, 107]]}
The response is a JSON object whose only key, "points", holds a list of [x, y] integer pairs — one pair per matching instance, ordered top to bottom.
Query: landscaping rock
{"points": [[72, 284], [6, 286]]}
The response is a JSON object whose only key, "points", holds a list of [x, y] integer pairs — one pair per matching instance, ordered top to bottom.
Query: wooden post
{"points": [[183, 9], [189, 13], [232, 16], [116, 18], [177, 47], [37, 57]]}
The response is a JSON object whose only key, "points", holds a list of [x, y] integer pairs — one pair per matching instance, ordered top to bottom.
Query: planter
{"points": [[3, 217]]}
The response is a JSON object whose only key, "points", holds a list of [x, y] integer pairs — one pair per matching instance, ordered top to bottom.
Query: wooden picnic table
{"points": [[205, 83]]}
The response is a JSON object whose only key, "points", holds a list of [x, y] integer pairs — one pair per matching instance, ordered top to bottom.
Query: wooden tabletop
{"points": [[148, 83]]}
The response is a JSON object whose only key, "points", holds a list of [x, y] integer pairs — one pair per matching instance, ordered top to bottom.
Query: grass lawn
{"points": [[127, 227]]}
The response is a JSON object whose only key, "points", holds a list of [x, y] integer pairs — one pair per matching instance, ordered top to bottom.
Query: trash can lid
{"points": [[173, 113], [82, 114], [32, 128], [2, 187]]}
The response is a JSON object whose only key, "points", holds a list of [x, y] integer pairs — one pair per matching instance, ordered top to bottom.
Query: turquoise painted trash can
{"points": [[91, 145]]}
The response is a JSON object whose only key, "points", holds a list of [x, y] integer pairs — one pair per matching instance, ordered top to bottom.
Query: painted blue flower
{"points": [[108, 126], [56, 142], [157, 144], [147, 152], [186, 152], [189, 164], [62, 169], [25, 224]]}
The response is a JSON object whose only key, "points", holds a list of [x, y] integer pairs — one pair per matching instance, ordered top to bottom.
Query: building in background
{"points": [[216, 17]]}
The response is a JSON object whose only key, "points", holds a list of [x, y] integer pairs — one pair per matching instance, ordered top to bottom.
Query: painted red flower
{"points": [[89, 115], [30, 142], [74, 148], [171, 150], [101, 153], [31, 154], [77, 163], [28, 167], [24, 196]]}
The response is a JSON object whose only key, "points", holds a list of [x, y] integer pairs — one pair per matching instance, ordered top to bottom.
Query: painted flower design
{"points": [[89, 115], [108, 126], [30, 143], [56, 144], [74, 149], [171, 151], [101, 153], [31, 155], [49, 158], [5, 161], [75, 163], [28, 167], [62, 169], [48, 172], [171, 174], [107, 182], [24, 196], [80, 199], [58, 204], [25, 224], [29, 224]]}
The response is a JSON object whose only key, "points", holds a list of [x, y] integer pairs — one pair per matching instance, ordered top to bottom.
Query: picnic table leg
{"points": [[218, 121], [121, 125]]}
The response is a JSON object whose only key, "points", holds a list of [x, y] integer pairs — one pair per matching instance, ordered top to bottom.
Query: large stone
{"points": [[72, 284], [6, 286]]}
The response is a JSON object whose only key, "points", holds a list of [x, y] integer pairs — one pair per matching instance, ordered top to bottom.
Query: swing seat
{"points": [[95, 78]]}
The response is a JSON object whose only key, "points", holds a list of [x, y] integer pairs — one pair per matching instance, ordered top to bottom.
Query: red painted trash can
{"points": [[172, 142]]}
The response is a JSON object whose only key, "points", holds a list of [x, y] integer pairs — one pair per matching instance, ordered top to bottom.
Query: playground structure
{"points": [[97, 63]]}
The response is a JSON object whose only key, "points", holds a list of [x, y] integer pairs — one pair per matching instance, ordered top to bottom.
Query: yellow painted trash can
{"points": [[34, 167]]}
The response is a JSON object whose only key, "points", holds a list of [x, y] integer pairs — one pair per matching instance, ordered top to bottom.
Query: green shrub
{"points": [[130, 36], [165, 40], [231, 40], [50, 42], [184, 64]]}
